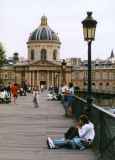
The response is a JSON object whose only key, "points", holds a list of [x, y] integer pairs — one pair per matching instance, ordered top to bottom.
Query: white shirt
{"points": [[64, 88], [71, 90], [87, 131]]}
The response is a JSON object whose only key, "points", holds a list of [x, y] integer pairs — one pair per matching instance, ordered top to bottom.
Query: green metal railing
{"points": [[104, 121]]}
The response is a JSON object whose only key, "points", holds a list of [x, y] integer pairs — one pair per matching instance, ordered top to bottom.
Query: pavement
{"points": [[24, 130]]}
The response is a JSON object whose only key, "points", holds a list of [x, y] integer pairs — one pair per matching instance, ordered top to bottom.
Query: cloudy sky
{"points": [[20, 17]]}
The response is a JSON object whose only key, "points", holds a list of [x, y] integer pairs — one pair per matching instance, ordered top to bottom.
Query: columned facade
{"points": [[43, 66], [43, 73]]}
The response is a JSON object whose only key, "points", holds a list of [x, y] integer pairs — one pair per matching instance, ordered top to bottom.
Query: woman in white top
{"points": [[86, 132], [86, 136]]}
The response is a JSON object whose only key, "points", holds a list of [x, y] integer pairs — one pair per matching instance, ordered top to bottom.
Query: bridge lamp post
{"points": [[89, 27], [63, 64], [58, 79]]}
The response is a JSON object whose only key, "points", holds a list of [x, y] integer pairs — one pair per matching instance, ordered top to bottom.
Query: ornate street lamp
{"points": [[89, 27], [63, 71]]}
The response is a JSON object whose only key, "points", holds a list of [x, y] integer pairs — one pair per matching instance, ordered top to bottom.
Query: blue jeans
{"points": [[68, 102], [59, 142], [75, 142]]}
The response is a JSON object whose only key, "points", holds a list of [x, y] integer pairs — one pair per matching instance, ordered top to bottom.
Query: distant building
{"points": [[112, 57], [73, 61], [43, 66], [7, 74], [103, 75]]}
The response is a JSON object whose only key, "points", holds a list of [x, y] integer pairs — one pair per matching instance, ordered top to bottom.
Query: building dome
{"points": [[44, 32]]}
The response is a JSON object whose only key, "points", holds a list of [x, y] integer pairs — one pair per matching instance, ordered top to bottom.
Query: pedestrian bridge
{"points": [[24, 130]]}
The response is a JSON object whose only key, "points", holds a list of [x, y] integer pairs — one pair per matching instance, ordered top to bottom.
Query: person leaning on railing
{"points": [[70, 100], [81, 137]]}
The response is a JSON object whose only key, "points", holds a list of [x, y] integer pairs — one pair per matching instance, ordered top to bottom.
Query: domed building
{"points": [[43, 43], [44, 66]]}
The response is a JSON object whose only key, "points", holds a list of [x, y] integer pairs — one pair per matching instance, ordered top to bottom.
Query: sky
{"points": [[18, 18]]}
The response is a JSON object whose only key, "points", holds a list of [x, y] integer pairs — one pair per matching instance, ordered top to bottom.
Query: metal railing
{"points": [[102, 91], [104, 121]]}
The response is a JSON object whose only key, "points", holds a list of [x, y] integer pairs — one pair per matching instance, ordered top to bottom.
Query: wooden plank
{"points": [[24, 130]]}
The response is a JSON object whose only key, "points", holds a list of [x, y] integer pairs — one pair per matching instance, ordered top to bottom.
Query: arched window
{"points": [[32, 54], [43, 54], [54, 55], [85, 84], [107, 84]]}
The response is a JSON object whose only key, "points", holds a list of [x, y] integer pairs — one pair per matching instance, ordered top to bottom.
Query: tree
{"points": [[2, 55]]}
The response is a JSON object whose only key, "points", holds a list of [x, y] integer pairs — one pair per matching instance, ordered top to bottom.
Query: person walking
{"points": [[9, 89], [14, 90], [36, 98]]}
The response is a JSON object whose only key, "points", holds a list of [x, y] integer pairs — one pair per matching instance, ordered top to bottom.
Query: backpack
{"points": [[71, 133]]}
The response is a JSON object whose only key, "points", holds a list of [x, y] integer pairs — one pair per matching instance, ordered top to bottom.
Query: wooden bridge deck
{"points": [[24, 129]]}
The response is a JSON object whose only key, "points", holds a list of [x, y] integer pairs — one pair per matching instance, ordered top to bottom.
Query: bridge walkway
{"points": [[24, 129]]}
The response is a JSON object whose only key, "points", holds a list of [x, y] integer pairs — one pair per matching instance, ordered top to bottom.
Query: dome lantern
{"points": [[43, 21]]}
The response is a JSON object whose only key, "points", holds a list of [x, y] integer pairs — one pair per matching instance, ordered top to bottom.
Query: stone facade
{"points": [[50, 49], [43, 66], [42, 73], [7, 74], [103, 78]]}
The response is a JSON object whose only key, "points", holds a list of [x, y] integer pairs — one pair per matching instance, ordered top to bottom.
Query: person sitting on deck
{"points": [[82, 138]]}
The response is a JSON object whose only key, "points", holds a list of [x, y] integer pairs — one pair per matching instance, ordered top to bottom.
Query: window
{"points": [[32, 54], [43, 54], [54, 55], [85, 75], [93, 75], [97, 75], [105, 75], [6, 76], [113, 76], [85, 83], [107, 84]]}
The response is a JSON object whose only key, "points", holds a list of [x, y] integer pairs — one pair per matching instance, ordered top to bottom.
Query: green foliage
{"points": [[2, 55]]}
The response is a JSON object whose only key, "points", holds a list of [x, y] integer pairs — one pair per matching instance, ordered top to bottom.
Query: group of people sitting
{"points": [[12, 89], [6, 92], [53, 93], [4, 95], [79, 136]]}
